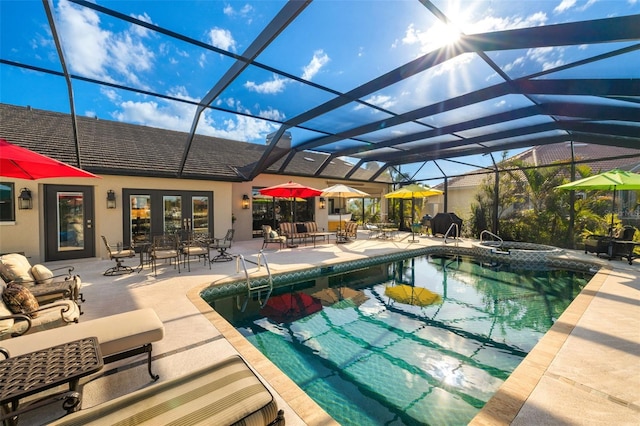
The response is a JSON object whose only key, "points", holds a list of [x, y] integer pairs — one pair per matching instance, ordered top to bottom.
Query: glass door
{"points": [[68, 222]]}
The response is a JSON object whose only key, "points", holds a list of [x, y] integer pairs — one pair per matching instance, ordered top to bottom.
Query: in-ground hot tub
{"points": [[515, 251]]}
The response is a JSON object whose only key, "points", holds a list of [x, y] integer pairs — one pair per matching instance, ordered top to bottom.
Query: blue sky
{"points": [[336, 44]]}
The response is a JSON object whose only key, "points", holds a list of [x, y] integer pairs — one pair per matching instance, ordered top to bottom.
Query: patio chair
{"points": [[349, 232], [271, 237], [195, 244], [605, 244], [222, 245], [165, 247], [118, 253], [45, 284]]}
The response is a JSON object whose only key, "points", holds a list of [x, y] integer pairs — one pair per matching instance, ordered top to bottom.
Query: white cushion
{"points": [[15, 267], [42, 274]]}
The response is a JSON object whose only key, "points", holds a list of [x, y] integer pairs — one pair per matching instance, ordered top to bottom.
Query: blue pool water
{"points": [[369, 359]]}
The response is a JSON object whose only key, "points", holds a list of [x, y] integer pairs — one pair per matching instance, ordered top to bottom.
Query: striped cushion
{"points": [[226, 393]]}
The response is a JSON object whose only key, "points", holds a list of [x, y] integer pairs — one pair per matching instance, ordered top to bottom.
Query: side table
{"points": [[28, 374]]}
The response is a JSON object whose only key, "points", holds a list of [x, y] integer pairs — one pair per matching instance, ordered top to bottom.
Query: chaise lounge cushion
{"points": [[20, 300], [225, 393]]}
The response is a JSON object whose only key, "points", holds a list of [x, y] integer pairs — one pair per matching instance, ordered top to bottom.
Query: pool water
{"points": [[369, 359]]}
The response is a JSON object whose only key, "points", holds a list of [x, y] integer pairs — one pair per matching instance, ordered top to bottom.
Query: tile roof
{"points": [[111, 147]]}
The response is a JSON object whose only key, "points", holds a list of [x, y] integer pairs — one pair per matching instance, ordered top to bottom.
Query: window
{"points": [[7, 205]]}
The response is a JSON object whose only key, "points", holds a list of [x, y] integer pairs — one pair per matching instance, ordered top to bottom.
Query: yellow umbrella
{"points": [[412, 192], [410, 295]]}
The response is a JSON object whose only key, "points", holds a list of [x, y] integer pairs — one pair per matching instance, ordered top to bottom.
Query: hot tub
{"points": [[515, 251]]}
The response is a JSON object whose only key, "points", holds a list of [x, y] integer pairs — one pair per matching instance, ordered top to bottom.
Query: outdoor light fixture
{"points": [[111, 199], [245, 201], [25, 202], [323, 203]]}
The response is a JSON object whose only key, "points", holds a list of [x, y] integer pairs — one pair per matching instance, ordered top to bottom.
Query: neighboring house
{"points": [[138, 165], [462, 190]]}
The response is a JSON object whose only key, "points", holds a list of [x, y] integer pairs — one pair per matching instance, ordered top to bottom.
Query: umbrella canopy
{"points": [[21, 163], [612, 180], [290, 189], [343, 191], [413, 191], [410, 295], [333, 297], [290, 307]]}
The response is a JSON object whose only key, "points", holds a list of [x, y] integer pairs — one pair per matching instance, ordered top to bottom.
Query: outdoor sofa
{"points": [[303, 232]]}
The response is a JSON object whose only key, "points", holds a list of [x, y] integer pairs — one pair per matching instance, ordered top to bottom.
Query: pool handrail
{"points": [[451, 227], [496, 237]]}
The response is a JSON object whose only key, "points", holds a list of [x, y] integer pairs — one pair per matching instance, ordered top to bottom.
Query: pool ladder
{"points": [[253, 289]]}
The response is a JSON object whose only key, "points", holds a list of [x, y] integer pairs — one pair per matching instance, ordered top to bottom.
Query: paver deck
{"points": [[585, 370]]}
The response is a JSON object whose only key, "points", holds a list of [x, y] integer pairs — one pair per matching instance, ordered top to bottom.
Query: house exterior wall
{"points": [[27, 233]]}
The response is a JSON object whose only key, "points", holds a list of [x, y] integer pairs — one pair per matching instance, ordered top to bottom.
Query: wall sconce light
{"points": [[111, 199], [25, 201], [245, 201], [323, 203]]}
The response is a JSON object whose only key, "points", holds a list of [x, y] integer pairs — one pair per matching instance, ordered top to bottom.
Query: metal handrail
{"points": [[452, 226], [487, 232], [255, 289]]}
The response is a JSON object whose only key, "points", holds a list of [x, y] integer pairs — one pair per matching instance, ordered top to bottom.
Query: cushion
{"points": [[301, 228], [273, 234], [15, 267], [42, 274], [20, 300], [5, 324]]}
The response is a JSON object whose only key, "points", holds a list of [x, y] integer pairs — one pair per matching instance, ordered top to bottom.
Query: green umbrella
{"points": [[612, 180]]}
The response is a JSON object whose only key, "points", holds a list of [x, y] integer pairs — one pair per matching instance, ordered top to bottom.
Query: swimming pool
{"points": [[368, 359]]}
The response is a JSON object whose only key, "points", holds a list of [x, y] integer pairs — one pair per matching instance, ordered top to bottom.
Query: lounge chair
{"points": [[349, 232], [271, 237], [606, 244], [222, 245], [118, 254], [45, 284], [24, 314], [225, 393]]}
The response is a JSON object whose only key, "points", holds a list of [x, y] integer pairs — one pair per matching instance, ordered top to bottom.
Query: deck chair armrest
{"points": [[69, 269], [18, 317], [5, 352]]}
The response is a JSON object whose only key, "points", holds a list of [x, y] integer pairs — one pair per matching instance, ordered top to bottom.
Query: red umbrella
{"points": [[18, 162], [290, 190], [290, 307]]}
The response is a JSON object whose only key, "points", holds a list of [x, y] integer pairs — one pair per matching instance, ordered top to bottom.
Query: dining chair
{"points": [[165, 247]]}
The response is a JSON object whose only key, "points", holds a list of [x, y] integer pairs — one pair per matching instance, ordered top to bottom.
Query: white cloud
{"points": [[564, 6], [142, 31], [222, 39], [101, 54], [547, 57], [319, 60], [276, 85], [383, 101], [178, 116]]}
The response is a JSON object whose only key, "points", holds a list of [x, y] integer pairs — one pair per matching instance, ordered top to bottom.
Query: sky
{"points": [[337, 45]]}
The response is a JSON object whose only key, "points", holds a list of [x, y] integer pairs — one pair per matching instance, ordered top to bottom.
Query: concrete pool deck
{"points": [[585, 370]]}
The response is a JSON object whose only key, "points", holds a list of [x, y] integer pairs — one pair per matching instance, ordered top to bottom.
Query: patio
{"points": [[579, 373]]}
